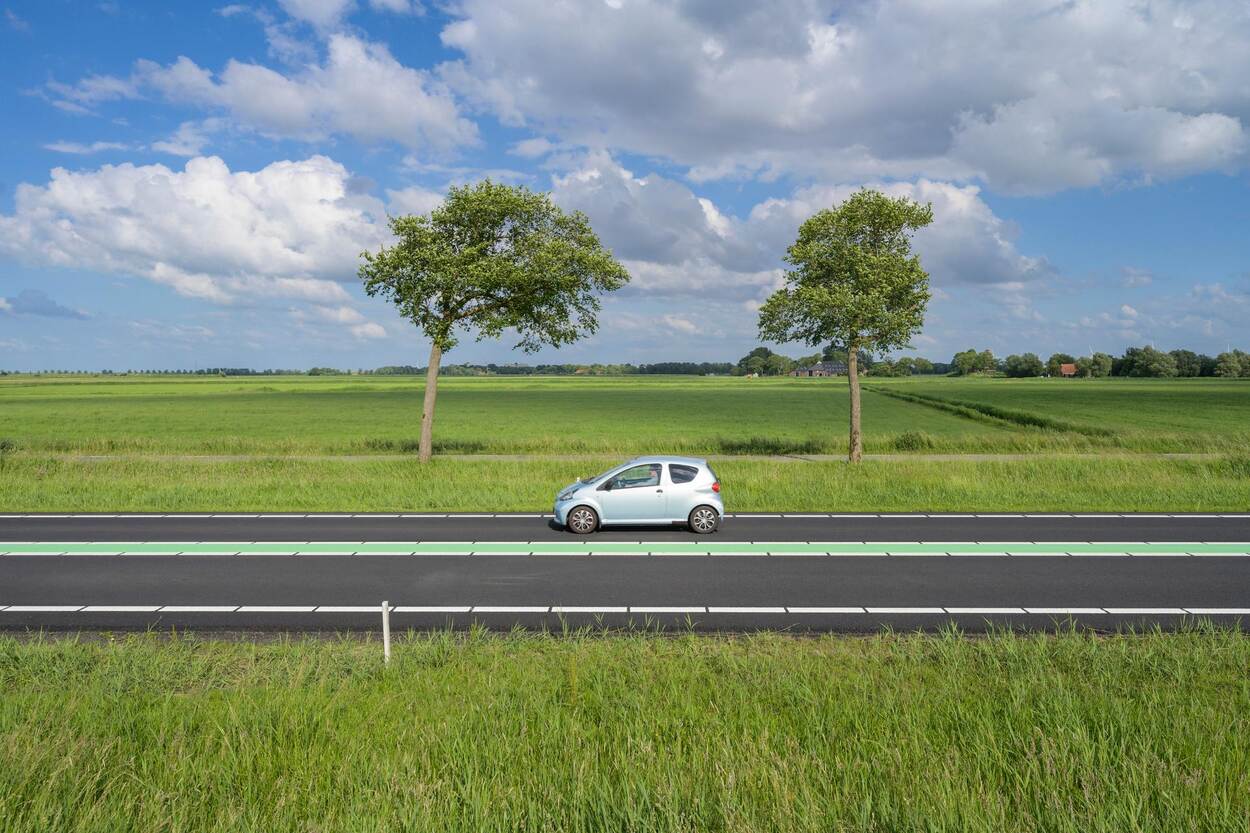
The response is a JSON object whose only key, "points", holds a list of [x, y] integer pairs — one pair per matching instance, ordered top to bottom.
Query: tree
{"points": [[490, 258], [855, 282], [1146, 361], [965, 362], [986, 363], [1055, 363], [1188, 363], [1232, 364], [777, 365], [923, 365], [1100, 365], [1023, 367]]}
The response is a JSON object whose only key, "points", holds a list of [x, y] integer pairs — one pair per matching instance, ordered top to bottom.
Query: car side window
{"points": [[682, 474], [637, 476]]}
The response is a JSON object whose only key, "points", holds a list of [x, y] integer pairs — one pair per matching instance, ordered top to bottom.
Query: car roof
{"points": [[670, 458]]}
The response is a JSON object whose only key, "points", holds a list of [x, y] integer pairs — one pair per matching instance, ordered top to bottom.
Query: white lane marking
{"points": [[42, 608], [199, 608], [278, 608], [432, 608], [120, 609], [350, 609], [510, 609], [581, 609], [745, 609], [668, 610], [820, 610], [906, 610], [996, 610], [1064, 611], [1143, 611], [1219, 611]]}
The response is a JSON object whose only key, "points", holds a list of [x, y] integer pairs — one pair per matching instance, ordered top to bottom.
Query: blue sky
{"points": [[189, 185]]}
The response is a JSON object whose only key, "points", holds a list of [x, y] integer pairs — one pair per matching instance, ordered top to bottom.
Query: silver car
{"points": [[645, 490]]}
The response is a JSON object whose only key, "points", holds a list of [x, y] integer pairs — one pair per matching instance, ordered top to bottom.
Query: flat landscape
{"points": [[347, 443]]}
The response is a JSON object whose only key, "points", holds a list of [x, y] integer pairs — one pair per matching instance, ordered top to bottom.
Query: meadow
{"points": [[139, 443], [628, 731]]}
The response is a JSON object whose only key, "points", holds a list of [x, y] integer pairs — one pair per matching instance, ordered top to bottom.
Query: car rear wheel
{"points": [[582, 520], [703, 520]]}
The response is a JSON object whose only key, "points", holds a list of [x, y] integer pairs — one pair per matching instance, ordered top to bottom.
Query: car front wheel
{"points": [[582, 520], [704, 520]]}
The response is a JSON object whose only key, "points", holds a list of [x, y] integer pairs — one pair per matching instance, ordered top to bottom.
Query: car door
{"points": [[633, 495]]}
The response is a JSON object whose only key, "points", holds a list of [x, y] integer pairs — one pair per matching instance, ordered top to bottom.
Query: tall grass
{"points": [[33, 483], [628, 732]]}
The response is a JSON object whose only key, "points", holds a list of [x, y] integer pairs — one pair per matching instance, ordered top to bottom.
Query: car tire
{"points": [[581, 520], [703, 520]]}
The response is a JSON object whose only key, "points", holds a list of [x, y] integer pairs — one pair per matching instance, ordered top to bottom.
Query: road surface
{"points": [[798, 572]]}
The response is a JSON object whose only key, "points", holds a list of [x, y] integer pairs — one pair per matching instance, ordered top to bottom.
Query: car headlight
{"points": [[567, 495]]}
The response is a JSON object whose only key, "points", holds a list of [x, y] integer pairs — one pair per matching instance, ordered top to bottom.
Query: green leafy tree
{"points": [[490, 258], [855, 282], [1056, 361], [965, 362], [1147, 362], [986, 363], [1188, 363], [1232, 364], [777, 365], [923, 365], [1100, 365], [1024, 366]]}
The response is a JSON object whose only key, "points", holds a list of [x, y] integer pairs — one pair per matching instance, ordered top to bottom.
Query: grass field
{"points": [[297, 439], [629, 732]]}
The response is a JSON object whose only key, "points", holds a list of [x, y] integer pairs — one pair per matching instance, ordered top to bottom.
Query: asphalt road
{"points": [[754, 527], [1121, 581]]}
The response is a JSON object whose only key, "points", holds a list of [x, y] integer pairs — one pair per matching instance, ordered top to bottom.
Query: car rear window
{"points": [[682, 474]]}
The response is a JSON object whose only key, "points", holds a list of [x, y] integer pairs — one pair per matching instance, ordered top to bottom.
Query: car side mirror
{"points": [[606, 487]]}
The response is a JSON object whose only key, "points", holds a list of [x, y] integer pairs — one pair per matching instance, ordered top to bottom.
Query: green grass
{"points": [[1138, 414], [288, 415], [296, 434], [1113, 483], [629, 732]]}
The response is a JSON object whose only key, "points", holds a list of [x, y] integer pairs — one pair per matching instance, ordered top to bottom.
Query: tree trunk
{"points": [[852, 375], [427, 407]]}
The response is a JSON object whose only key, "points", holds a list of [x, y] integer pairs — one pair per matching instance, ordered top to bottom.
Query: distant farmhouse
{"points": [[821, 369], [1067, 369]]}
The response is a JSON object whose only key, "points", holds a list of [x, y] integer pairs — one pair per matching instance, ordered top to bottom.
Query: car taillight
{"points": [[716, 486]]}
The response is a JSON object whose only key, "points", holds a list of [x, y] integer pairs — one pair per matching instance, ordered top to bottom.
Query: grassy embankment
{"points": [[297, 434], [635, 732]]}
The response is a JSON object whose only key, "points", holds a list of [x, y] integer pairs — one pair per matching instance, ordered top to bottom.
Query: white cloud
{"points": [[323, 14], [360, 90], [1030, 96], [189, 139], [81, 149], [413, 200], [293, 229], [1133, 277], [368, 330]]}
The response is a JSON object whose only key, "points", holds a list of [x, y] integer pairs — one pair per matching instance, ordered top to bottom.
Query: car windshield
{"points": [[599, 476]]}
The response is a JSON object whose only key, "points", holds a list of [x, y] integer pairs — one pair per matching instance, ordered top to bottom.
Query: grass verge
{"points": [[33, 483], [629, 732]]}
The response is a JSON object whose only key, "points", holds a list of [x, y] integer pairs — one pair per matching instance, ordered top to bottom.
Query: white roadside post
{"points": [[386, 632]]}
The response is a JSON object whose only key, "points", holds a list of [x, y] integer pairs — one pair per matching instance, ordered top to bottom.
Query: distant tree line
{"points": [[764, 362], [1138, 362]]}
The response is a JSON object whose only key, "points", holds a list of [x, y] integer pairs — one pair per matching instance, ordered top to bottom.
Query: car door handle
{"points": [[658, 491]]}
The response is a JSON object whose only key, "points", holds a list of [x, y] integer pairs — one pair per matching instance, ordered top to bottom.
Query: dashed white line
{"points": [[1144, 611]]}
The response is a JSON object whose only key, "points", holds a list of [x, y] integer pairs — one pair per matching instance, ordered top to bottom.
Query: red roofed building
{"points": [[1067, 369]]}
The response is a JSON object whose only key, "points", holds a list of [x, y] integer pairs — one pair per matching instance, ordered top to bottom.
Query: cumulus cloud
{"points": [[359, 90], [1029, 96], [189, 139], [81, 149], [293, 229]]}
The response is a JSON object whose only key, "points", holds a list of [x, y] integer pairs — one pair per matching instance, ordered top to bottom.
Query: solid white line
{"points": [[42, 608], [120, 609], [199, 609], [278, 609], [350, 609], [433, 609], [509, 609], [576, 609], [746, 609], [668, 610], [819, 610], [906, 610], [972, 610], [1065, 611], [1143, 611], [1219, 611]]}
